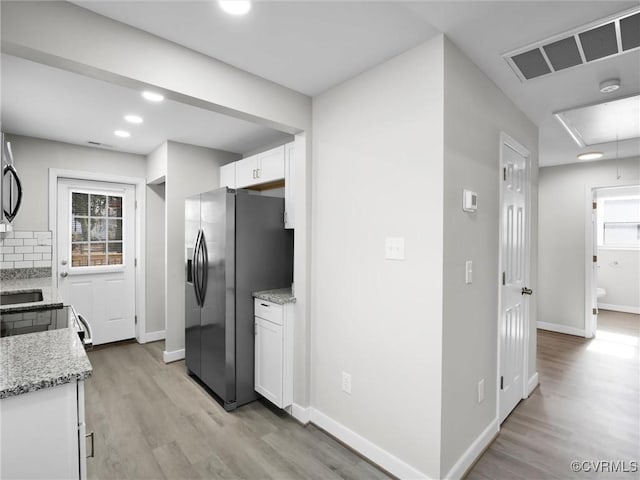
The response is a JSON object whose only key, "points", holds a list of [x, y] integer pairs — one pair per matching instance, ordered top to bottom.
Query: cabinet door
{"points": [[271, 165], [247, 172], [228, 175], [289, 185], [268, 360]]}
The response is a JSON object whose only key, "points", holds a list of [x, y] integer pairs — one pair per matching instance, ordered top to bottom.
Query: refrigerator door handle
{"points": [[205, 267], [196, 269]]}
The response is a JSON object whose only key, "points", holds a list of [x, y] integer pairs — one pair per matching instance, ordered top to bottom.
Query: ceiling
{"points": [[311, 46]]}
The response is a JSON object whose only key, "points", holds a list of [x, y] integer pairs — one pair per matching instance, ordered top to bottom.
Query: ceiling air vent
{"points": [[604, 38]]}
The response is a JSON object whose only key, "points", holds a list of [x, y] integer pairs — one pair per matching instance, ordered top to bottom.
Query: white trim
{"points": [[507, 140], [140, 226], [619, 308], [556, 327], [147, 337], [173, 356], [532, 383], [302, 414], [474, 451], [373, 452]]}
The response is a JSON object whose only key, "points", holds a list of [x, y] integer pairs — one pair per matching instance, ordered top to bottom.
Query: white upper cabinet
{"points": [[271, 165], [246, 172], [228, 175], [289, 184]]}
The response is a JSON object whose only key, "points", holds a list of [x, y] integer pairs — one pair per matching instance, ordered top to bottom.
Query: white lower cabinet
{"points": [[274, 352], [43, 434]]}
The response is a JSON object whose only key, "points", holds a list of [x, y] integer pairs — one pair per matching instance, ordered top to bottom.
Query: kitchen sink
{"points": [[13, 298]]}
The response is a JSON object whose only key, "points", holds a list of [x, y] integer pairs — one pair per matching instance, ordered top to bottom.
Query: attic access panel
{"points": [[604, 122]]}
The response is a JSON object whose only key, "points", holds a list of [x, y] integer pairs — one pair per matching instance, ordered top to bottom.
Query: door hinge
{"points": [[504, 174], [135, 205], [595, 205], [595, 258], [135, 262], [504, 278], [594, 311], [135, 319], [501, 382]]}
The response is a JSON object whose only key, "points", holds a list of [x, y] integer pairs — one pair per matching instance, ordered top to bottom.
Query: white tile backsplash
{"points": [[25, 250]]}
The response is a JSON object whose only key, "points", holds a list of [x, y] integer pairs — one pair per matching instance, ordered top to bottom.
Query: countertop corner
{"points": [[280, 296]]}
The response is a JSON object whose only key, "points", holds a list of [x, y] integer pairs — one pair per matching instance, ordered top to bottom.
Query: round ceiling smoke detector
{"points": [[609, 86]]}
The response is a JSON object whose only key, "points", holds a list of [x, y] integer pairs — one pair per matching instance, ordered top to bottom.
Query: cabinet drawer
{"points": [[268, 311]]}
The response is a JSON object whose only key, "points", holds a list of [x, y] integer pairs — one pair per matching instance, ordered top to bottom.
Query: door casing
{"points": [[140, 186]]}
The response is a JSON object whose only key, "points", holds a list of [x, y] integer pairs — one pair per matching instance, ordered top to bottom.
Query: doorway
{"points": [[98, 234], [614, 241], [513, 318]]}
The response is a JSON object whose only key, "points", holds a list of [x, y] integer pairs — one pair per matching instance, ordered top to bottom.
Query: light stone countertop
{"points": [[279, 296], [50, 297], [40, 360]]}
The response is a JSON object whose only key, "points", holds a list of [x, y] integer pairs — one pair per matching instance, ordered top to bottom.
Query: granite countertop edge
{"points": [[281, 296], [51, 298], [35, 361], [45, 383]]}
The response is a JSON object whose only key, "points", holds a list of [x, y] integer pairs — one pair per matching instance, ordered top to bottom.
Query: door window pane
{"points": [[96, 230]]}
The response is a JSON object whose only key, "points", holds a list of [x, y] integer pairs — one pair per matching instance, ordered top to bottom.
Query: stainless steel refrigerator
{"points": [[235, 244]]}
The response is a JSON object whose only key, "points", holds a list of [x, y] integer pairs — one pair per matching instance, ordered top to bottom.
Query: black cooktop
{"points": [[35, 321]]}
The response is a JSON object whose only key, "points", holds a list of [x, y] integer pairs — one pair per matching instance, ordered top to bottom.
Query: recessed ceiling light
{"points": [[235, 7], [609, 86], [152, 96], [133, 119], [122, 133], [590, 156]]}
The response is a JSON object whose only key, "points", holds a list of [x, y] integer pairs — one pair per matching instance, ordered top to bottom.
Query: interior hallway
{"points": [[587, 407]]}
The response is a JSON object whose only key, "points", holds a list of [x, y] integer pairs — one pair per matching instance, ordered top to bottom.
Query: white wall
{"points": [[475, 112], [35, 156], [157, 164], [190, 170], [377, 172], [563, 209], [155, 256], [619, 275]]}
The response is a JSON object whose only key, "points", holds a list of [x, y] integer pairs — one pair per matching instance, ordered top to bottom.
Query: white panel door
{"points": [[96, 255], [514, 306], [268, 360]]}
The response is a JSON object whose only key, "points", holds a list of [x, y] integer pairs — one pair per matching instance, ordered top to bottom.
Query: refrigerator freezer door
{"points": [[264, 260], [192, 307], [218, 312]]}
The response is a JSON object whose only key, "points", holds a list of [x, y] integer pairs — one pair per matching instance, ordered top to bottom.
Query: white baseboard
{"points": [[619, 308], [556, 327], [152, 336], [173, 356], [532, 384], [302, 414], [373, 452], [473, 452]]}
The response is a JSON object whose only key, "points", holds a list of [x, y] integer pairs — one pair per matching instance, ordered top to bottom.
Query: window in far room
{"points": [[619, 221]]}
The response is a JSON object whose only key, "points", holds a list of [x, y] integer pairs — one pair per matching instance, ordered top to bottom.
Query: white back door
{"points": [[96, 255], [514, 257]]}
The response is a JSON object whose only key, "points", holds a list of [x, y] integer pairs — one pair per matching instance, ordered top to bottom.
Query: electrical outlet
{"points": [[394, 248], [346, 382], [481, 391]]}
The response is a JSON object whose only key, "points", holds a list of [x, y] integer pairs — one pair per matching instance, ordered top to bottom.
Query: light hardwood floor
{"points": [[587, 407], [153, 421]]}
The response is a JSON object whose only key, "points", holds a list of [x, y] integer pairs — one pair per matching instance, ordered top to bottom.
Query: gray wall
{"points": [[475, 112], [35, 156], [190, 170], [377, 172], [563, 207], [155, 256]]}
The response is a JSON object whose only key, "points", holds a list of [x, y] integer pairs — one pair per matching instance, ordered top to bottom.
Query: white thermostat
{"points": [[469, 201]]}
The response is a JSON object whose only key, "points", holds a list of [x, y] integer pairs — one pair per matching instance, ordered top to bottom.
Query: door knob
{"points": [[63, 262], [64, 274], [526, 291]]}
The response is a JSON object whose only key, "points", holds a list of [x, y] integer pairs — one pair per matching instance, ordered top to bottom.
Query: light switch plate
{"points": [[394, 248]]}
